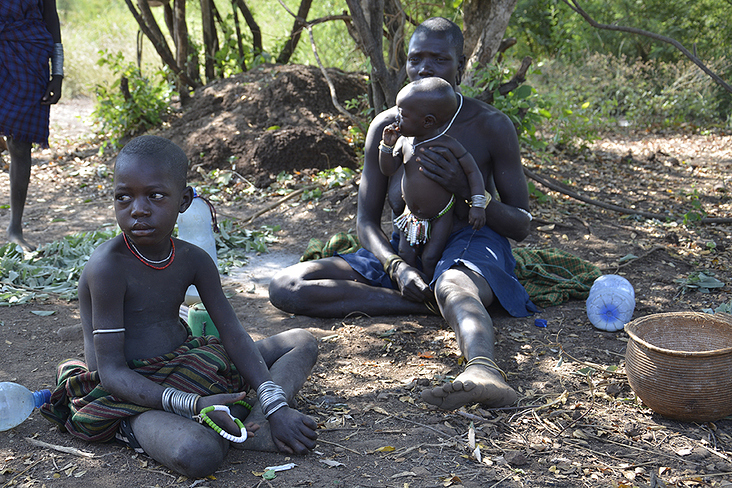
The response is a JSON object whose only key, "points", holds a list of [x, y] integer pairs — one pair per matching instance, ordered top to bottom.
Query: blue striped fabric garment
{"points": [[25, 49]]}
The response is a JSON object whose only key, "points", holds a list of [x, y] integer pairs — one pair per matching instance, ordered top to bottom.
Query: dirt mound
{"points": [[268, 120]]}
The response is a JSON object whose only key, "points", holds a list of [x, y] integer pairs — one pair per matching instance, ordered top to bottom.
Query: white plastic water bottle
{"points": [[195, 225], [611, 303], [17, 403]]}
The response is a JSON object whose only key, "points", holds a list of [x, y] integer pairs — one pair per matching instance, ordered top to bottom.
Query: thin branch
{"points": [[574, 5], [333, 95], [554, 185]]}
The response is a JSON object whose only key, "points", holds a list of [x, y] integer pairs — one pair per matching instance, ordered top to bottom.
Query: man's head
{"points": [[436, 49], [425, 105], [150, 189]]}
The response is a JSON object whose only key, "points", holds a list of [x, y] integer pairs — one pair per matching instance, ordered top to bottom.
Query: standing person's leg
{"points": [[20, 171], [463, 296], [290, 357]]}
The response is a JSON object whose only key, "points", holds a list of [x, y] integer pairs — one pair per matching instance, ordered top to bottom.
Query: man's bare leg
{"points": [[20, 172], [331, 288], [463, 296], [290, 357]]}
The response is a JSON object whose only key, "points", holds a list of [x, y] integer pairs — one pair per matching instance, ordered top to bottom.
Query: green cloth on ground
{"points": [[342, 243], [552, 276]]}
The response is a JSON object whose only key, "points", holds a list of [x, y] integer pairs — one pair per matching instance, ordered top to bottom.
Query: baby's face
{"points": [[409, 119]]}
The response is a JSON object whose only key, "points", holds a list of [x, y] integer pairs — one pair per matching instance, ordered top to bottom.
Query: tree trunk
{"points": [[484, 23], [253, 26], [150, 28], [367, 30], [180, 37], [210, 40], [291, 44]]}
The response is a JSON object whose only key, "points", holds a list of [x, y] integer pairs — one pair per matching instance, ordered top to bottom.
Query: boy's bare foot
{"points": [[17, 238], [477, 384], [261, 440]]}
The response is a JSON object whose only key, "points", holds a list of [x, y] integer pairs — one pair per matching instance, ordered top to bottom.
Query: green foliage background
{"points": [[583, 80]]}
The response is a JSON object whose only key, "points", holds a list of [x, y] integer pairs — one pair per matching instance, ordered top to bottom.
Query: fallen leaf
{"points": [[426, 355], [385, 449], [331, 463]]}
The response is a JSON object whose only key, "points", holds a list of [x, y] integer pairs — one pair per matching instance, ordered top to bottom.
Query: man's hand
{"points": [[439, 164], [412, 283], [292, 431]]}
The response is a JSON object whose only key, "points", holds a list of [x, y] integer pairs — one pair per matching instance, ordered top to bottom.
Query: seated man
{"points": [[476, 266], [145, 377]]}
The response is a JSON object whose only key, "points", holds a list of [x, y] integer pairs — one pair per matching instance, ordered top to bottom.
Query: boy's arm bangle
{"points": [[57, 60], [481, 201], [271, 398], [180, 402]]}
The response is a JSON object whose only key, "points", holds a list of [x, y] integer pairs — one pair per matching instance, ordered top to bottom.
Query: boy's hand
{"points": [[390, 135], [476, 217], [221, 418], [292, 431]]}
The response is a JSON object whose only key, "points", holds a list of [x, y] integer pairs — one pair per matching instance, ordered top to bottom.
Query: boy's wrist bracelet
{"points": [[271, 398], [180, 402]]}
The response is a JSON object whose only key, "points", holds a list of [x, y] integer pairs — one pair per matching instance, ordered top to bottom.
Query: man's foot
{"points": [[17, 238], [477, 384]]}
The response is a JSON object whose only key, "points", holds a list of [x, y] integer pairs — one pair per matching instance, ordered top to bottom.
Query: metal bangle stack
{"points": [[271, 398], [180, 402]]}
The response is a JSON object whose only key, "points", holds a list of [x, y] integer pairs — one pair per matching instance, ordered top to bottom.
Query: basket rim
{"points": [[719, 317]]}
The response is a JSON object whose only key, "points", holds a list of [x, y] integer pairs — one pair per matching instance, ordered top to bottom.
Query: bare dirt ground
{"points": [[577, 423]]}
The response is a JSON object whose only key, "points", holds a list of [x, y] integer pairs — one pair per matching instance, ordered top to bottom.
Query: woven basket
{"points": [[680, 364]]}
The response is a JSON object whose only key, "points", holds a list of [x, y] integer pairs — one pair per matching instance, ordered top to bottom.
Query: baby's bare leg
{"points": [[407, 252], [432, 252], [290, 356], [181, 444]]}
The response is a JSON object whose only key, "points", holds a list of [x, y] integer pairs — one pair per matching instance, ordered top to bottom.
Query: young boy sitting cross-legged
{"points": [[145, 377]]}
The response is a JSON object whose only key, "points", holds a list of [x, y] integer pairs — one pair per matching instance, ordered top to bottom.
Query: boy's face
{"points": [[430, 54], [147, 200]]}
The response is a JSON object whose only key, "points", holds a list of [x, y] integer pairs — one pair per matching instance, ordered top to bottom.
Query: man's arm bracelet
{"points": [[57, 60], [391, 265]]}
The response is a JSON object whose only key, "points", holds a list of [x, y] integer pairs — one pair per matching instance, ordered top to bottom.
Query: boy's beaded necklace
{"points": [[415, 144], [149, 262]]}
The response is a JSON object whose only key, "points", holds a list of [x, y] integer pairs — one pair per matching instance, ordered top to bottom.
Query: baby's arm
{"points": [[389, 161], [476, 216]]}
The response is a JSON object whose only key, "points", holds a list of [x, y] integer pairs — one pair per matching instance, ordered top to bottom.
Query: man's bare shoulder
{"points": [[486, 118]]}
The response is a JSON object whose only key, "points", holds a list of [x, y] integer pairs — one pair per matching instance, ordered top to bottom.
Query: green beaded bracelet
{"points": [[203, 417]]}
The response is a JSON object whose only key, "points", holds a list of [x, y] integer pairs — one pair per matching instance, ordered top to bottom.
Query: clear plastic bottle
{"points": [[195, 225], [611, 303], [17, 403]]}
